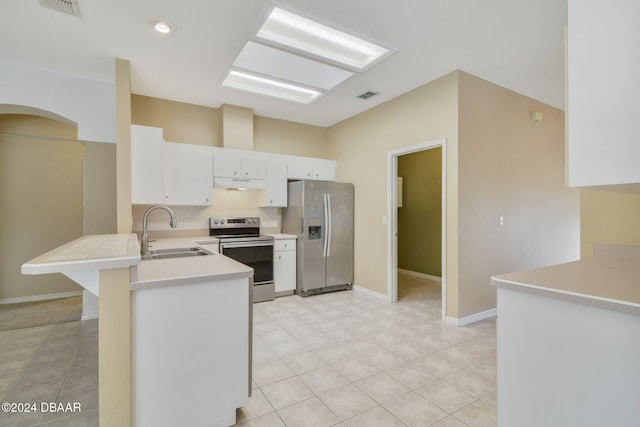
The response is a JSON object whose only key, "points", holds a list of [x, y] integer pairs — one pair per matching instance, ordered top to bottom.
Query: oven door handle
{"points": [[244, 244]]}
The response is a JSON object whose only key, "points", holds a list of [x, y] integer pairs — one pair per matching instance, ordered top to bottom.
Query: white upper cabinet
{"points": [[603, 93], [235, 164], [147, 165], [310, 168], [183, 174], [188, 174], [275, 193]]}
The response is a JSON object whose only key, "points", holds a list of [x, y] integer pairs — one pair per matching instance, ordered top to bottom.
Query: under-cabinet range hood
{"points": [[239, 184]]}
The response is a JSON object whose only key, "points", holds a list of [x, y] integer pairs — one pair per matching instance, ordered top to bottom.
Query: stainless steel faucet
{"points": [[144, 250]]}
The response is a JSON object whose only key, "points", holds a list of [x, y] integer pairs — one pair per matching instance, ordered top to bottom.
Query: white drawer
{"points": [[284, 245]]}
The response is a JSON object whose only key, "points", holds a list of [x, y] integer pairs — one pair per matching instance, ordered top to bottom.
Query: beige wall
{"points": [[181, 122], [194, 124], [283, 137], [361, 143], [123, 146], [498, 162], [510, 165], [42, 206], [100, 215], [420, 217], [608, 217]]}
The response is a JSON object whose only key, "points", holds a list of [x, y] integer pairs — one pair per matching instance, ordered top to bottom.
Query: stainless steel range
{"points": [[241, 240]]}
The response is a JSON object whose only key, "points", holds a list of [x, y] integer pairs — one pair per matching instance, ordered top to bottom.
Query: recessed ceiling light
{"points": [[163, 25], [319, 40], [264, 86]]}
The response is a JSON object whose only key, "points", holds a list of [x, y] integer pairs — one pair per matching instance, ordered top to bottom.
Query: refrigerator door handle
{"points": [[326, 225], [330, 225]]}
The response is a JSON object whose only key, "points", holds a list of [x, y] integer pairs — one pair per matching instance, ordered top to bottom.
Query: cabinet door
{"points": [[603, 99], [147, 160], [227, 165], [253, 167], [300, 168], [310, 168], [324, 170], [188, 175], [275, 193], [284, 270]]}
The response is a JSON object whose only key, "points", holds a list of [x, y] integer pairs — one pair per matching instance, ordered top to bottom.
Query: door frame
{"points": [[392, 215]]}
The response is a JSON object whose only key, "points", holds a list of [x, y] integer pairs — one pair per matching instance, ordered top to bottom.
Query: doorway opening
{"points": [[393, 216]]}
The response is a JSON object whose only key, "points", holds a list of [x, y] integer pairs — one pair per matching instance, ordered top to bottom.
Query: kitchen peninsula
{"points": [[569, 344], [185, 351]]}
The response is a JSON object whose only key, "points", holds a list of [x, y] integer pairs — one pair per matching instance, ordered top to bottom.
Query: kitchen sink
{"points": [[172, 250], [174, 253]]}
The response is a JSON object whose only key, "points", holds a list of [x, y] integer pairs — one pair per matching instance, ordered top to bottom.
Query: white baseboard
{"points": [[421, 275], [369, 292], [44, 297], [90, 306], [89, 316], [467, 320]]}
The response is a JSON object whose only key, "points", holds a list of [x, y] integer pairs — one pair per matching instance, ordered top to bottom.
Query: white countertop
{"points": [[282, 236], [94, 252], [176, 271], [604, 283]]}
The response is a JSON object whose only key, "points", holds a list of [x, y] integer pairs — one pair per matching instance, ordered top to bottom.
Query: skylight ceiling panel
{"points": [[313, 38], [269, 61], [266, 86]]}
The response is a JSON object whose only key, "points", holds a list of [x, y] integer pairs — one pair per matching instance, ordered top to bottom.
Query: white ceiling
{"points": [[518, 44]]}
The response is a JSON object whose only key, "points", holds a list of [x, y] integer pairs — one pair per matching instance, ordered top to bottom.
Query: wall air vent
{"points": [[69, 7], [367, 95]]}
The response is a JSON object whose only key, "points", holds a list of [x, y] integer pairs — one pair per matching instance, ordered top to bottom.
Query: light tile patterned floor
{"points": [[340, 359], [346, 359], [52, 364]]}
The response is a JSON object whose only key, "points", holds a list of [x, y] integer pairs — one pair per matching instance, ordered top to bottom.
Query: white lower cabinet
{"points": [[284, 266], [190, 363]]}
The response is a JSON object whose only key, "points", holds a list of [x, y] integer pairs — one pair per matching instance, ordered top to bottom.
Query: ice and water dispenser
{"points": [[315, 228]]}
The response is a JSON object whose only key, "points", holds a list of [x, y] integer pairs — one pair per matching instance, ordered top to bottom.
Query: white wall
{"points": [[90, 104]]}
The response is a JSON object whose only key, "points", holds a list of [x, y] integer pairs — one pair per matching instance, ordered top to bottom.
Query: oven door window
{"points": [[260, 258]]}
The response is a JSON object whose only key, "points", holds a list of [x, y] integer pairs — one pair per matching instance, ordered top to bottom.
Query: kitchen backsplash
{"points": [[226, 203]]}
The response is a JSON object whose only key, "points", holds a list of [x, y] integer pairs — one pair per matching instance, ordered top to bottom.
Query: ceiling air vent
{"points": [[65, 6], [367, 95]]}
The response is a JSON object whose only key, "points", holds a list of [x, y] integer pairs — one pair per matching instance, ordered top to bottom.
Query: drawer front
{"points": [[284, 245]]}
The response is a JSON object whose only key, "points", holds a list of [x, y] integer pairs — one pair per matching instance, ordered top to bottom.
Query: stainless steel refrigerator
{"points": [[321, 215]]}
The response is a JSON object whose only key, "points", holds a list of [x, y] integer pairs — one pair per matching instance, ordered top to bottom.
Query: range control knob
{"points": [[215, 221], [221, 221]]}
